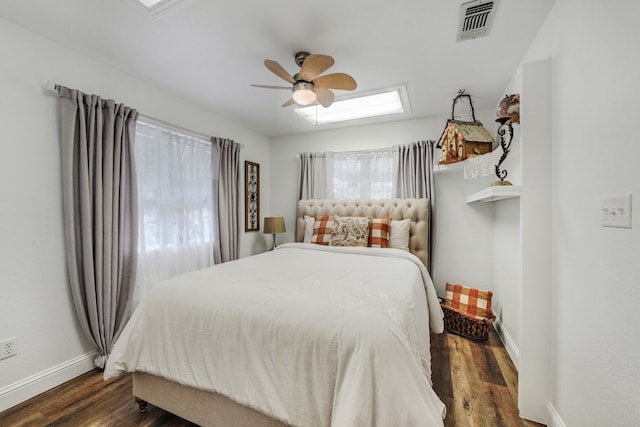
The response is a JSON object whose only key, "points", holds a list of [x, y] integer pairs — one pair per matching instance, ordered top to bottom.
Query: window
{"points": [[363, 174], [175, 218]]}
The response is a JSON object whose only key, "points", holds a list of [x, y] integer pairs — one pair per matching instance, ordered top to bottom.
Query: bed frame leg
{"points": [[142, 404]]}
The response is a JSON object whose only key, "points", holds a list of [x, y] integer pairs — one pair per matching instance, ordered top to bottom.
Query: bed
{"points": [[306, 335]]}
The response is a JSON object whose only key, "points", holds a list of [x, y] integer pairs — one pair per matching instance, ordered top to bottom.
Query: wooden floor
{"points": [[477, 382]]}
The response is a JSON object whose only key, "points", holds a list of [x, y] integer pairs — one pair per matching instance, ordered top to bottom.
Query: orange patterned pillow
{"points": [[322, 229], [379, 230], [474, 302]]}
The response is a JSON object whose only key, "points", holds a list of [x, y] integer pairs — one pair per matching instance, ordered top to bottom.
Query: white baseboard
{"points": [[508, 342], [22, 390], [554, 417]]}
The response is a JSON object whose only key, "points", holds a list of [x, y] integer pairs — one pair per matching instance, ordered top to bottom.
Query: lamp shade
{"points": [[303, 93], [274, 225]]}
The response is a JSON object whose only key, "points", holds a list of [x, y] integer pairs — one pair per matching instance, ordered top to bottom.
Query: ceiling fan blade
{"points": [[314, 65], [277, 69], [340, 81], [272, 87], [325, 97], [289, 102]]}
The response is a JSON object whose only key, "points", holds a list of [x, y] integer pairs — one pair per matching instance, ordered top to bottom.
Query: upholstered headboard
{"points": [[415, 209]]}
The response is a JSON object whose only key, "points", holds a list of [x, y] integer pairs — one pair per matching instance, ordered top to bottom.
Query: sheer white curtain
{"points": [[363, 174], [175, 207]]}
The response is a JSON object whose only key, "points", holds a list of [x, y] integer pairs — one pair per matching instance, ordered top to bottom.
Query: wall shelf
{"points": [[449, 167], [495, 193]]}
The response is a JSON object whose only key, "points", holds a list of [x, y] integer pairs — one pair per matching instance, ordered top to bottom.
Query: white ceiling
{"points": [[210, 51]]}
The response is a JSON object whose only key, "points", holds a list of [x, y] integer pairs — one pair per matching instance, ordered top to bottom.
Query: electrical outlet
{"points": [[8, 348]]}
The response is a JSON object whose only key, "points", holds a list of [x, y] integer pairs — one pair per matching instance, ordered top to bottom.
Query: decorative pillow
{"points": [[308, 228], [322, 228], [350, 231], [379, 231], [399, 235], [474, 302]]}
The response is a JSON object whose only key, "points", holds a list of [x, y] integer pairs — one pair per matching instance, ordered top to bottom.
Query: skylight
{"points": [[153, 5], [372, 105]]}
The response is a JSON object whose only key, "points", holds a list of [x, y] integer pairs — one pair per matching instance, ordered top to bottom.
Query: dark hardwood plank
{"points": [[485, 362], [507, 367], [441, 376], [476, 380], [484, 381], [88, 401], [468, 405]]}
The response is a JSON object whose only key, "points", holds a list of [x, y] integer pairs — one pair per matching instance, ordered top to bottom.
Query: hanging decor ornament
{"points": [[508, 112], [460, 139]]}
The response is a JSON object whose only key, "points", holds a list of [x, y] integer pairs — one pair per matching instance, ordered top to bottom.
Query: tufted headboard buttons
{"points": [[415, 209]]}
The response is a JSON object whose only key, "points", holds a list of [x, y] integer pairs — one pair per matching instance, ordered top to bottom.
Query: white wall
{"points": [[464, 237], [506, 239], [535, 239], [595, 270], [507, 278], [35, 299]]}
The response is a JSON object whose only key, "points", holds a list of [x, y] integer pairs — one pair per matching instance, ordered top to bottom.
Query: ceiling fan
{"points": [[308, 85]]}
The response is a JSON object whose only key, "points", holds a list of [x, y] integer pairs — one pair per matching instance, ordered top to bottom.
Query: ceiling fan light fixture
{"points": [[310, 85], [303, 93]]}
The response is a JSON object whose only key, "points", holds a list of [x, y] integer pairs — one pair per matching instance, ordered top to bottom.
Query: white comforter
{"points": [[310, 335]]}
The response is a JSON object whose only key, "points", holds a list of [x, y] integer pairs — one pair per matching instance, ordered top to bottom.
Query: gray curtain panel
{"points": [[225, 168], [315, 176], [414, 178], [100, 212]]}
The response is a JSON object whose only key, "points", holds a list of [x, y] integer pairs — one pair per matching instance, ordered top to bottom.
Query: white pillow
{"points": [[308, 228], [399, 236]]}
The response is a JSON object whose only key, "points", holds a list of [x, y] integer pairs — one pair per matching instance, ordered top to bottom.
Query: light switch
{"points": [[616, 211]]}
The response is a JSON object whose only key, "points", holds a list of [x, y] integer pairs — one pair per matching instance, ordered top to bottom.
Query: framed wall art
{"points": [[251, 196]]}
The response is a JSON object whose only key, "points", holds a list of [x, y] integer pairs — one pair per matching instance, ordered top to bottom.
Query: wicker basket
{"points": [[467, 326]]}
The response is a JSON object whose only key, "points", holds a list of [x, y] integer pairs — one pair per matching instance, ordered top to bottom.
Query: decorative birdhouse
{"points": [[461, 140]]}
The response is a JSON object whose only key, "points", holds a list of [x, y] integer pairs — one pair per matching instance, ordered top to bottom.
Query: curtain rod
{"points": [[49, 85], [154, 121], [394, 147], [364, 150]]}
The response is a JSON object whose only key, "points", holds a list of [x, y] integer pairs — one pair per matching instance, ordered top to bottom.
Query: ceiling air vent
{"points": [[476, 18]]}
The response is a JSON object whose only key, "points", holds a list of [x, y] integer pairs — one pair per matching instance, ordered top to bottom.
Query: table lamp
{"points": [[274, 225]]}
